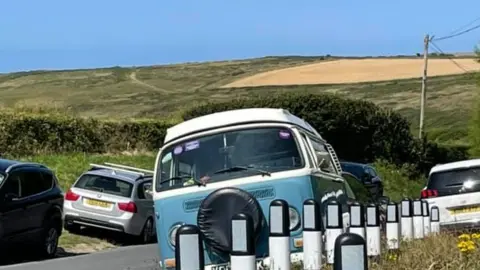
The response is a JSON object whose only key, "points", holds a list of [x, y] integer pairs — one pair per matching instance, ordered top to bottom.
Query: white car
{"points": [[455, 189]]}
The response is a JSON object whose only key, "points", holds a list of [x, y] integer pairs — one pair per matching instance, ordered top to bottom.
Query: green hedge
{"points": [[358, 130], [31, 134]]}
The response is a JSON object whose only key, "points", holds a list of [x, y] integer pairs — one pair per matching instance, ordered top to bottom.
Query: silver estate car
{"points": [[112, 197]]}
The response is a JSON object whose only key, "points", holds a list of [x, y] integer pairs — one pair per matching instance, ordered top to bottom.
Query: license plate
{"points": [[98, 203], [466, 210], [226, 266]]}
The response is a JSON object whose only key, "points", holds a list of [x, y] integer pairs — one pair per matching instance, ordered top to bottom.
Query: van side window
{"points": [[323, 156], [310, 158]]}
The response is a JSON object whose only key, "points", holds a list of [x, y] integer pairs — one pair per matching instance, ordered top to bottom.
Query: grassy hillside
{"points": [[159, 91], [129, 92]]}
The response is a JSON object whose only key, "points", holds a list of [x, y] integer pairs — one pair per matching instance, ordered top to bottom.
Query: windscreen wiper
{"points": [[243, 168], [454, 184]]}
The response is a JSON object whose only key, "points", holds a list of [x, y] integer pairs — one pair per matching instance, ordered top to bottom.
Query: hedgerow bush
{"points": [[359, 130], [31, 134]]}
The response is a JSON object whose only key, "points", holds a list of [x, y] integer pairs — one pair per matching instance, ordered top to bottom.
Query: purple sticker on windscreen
{"points": [[284, 134], [192, 145], [178, 150]]}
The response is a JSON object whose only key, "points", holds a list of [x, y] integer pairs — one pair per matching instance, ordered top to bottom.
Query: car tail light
{"points": [[428, 193], [71, 196], [128, 207]]}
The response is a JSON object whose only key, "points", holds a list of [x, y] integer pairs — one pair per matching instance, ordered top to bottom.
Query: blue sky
{"points": [[60, 34]]}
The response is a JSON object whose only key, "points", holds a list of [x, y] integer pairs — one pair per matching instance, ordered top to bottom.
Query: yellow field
{"points": [[356, 70]]}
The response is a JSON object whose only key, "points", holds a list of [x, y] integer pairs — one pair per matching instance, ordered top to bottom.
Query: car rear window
{"points": [[455, 181], [105, 184]]}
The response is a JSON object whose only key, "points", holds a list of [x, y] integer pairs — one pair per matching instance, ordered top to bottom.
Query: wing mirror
{"points": [[147, 190]]}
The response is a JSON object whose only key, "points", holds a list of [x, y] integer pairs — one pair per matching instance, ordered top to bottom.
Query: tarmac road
{"points": [[144, 257]]}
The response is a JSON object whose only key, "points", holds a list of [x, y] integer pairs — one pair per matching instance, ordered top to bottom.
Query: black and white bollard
{"points": [[426, 218], [357, 219], [406, 219], [417, 219], [434, 220], [393, 227], [334, 228], [312, 235], [373, 239], [279, 240], [189, 248], [350, 252], [242, 256]]}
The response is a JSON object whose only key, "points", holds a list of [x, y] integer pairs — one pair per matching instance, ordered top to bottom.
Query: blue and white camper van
{"points": [[214, 166]]}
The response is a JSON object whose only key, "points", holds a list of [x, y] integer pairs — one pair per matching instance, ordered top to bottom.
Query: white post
{"points": [[426, 217], [357, 219], [417, 219], [435, 220], [406, 221], [334, 228], [393, 228], [373, 231], [312, 235], [279, 239], [189, 248], [242, 256]]}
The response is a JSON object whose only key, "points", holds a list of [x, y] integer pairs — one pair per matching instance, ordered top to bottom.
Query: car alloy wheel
{"points": [[148, 231], [51, 241]]}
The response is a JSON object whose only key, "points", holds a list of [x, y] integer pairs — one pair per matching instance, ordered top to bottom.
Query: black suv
{"points": [[366, 175], [30, 207]]}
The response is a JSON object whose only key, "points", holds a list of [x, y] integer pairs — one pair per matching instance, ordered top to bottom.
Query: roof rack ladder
{"points": [[336, 161]]}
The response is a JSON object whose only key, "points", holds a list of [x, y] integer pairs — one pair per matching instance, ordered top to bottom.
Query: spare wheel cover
{"points": [[215, 214]]}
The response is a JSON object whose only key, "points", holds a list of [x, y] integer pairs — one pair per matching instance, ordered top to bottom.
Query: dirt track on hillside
{"points": [[354, 71]]}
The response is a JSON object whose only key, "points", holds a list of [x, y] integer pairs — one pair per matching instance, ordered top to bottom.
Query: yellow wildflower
{"points": [[464, 237], [392, 257]]}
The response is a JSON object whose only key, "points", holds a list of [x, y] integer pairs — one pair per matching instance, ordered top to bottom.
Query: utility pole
{"points": [[424, 85]]}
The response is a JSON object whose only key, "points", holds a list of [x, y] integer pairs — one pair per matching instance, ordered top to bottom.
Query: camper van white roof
{"points": [[233, 117]]}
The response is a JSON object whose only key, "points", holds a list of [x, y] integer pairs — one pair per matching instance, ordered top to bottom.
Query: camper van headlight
{"points": [[294, 218], [172, 233]]}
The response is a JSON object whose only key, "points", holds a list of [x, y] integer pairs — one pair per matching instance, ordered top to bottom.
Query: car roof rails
{"points": [[123, 168]]}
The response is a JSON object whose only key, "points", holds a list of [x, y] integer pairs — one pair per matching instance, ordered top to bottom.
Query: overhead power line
{"points": [[464, 26], [457, 34], [430, 40], [435, 46]]}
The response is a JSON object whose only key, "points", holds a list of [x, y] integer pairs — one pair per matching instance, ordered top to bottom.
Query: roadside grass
{"points": [[178, 87], [68, 167], [397, 181], [439, 252]]}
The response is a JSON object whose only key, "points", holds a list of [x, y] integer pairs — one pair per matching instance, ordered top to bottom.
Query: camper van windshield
{"points": [[228, 155]]}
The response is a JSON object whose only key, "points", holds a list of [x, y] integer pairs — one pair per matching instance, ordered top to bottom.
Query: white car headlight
{"points": [[294, 218], [172, 233]]}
